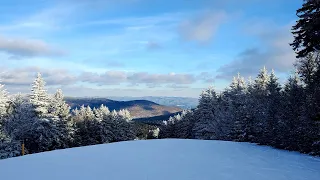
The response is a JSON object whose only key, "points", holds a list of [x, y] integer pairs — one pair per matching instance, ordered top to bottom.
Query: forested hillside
{"points": [[181, 102], [137, 108], [260, 110], [43, 122]]}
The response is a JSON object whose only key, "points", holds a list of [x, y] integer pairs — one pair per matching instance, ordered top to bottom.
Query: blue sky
{"points": [[142, 47]]}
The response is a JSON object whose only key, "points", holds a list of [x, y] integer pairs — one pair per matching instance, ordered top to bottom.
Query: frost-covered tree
{"points": [[307, 68], [262, 81], [259, 95], [39, 97], [274, 100], [3, 101], [61, 108], [3, 110], [104, 110], [61, 112], [101, 112], [293, 112], [125, 114], [89, 115], [21, 117], [241, 119], [205, 126], [122, 129], [39, 134], [9, 149]]}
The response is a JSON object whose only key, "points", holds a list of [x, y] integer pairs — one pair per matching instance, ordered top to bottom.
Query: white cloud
{"points": [[203, 27], [27, 47], [275, 53], [25, 76], [152, 80]]}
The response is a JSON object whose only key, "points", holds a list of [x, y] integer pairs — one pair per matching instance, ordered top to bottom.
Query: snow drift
{"points": [[164, 160]]}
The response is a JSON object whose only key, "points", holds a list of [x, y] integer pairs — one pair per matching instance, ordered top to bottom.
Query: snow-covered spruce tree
{"points": [[307, 68], [309, 71], [260, 94], [39, 97], [274, 100], [3, 101], [61, 108], [3, 110], [104, 110], [101, 112], [79, 114], [97, 114], [125, 114], [89, 115], [241, 117], [62, 119], [291, 123], [22, 125], [37, 125], [101, 126], [205, 126], [88, 127], [170, 127], [183, 127], [122, 129], [153, 133], [9, 147]]}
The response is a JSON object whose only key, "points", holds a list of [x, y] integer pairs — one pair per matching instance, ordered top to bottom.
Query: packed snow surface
{"points": [[164, 160]]}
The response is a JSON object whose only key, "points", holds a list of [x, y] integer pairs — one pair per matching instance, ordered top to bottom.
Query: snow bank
{"points": [[164, 160]]}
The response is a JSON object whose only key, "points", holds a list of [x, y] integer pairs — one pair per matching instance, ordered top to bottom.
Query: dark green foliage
{"points": [[307, 29]]}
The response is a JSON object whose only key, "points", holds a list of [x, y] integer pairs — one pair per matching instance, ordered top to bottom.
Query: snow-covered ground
{"points": [[164, 160]]}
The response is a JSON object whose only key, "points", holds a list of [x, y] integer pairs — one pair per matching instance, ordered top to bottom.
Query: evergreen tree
{"points": [[306, 31], [307, 68], [309, 71], [260, 96], [39, 97], [274, 100], [3, 101], [61, 108], [125, 114], [89, 115], [240, 119], [63, 121], [292, 123], [205, 126]]}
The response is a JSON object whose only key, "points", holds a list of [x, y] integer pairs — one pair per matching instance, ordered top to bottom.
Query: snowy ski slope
{"points": [[169, 159]]}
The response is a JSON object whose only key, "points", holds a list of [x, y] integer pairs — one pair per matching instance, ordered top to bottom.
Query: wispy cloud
{"points": [[43, 20], [136, 23], [203, 27], [152, 45], [27, 47], [275, 53], [25, 76], [107, 78], [135, 78]]}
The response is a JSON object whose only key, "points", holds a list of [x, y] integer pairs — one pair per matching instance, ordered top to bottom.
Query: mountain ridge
{"points": [[137, 108]]}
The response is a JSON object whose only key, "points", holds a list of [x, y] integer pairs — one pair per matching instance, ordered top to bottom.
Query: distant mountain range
{"points": [[182, 102], [137, 108]]}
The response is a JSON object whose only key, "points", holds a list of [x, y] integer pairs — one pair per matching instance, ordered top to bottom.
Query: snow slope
{"points": [[164, 160]]}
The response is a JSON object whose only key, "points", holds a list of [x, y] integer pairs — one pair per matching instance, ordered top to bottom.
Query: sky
{"points": [[142, 47]]}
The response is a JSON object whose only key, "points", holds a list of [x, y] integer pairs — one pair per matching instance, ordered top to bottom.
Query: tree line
{"points": [[259, 111], [44, 122]]}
